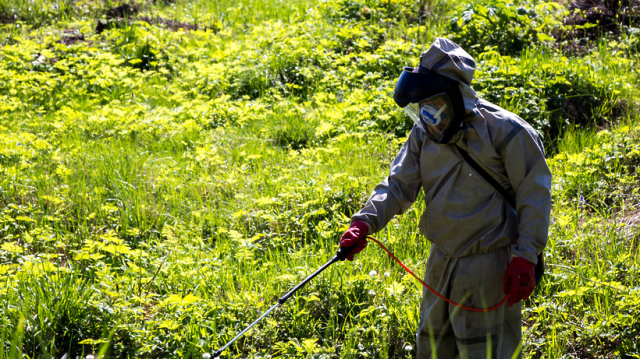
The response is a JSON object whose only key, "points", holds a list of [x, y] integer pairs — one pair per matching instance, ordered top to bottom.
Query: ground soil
{"points": [[122, 15], [5, 19], [169, 24], [71, 36], [628, 223], [632, 224]]}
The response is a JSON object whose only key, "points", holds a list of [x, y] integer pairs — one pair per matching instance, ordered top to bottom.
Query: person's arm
{"points": [[530, 177], [399, 190]]}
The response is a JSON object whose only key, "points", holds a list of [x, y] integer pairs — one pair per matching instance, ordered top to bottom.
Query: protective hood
{"points": [[448, 59], [443, 77]]}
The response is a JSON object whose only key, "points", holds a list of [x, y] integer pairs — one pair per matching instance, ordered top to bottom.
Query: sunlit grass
{"points": [[237, 13], [153, 203]]}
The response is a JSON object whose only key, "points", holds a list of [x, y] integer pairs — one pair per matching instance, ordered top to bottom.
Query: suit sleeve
{"points": [[530, 177], [399, 190]]}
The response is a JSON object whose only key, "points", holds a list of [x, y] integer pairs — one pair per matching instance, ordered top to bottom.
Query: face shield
{"points": [[433, 102], [434, 115]]}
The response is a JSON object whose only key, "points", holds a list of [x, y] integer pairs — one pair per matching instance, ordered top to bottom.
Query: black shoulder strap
{"points": [[487, 177], [539, 269]]}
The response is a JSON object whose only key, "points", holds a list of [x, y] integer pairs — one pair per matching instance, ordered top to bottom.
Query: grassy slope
{"points": [[161, 189]]}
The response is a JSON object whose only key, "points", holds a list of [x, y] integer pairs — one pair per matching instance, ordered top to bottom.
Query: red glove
{"points": [[356, 237], [519, 280]]}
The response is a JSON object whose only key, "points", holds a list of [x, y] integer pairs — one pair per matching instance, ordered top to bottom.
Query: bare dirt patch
{"points": [[122, 11], [122, 15], [6, 19], [169, 24], [71, 36], [633, 219], [630, 224]]}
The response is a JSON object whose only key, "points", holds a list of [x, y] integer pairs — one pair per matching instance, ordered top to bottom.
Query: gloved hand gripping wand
{"points": [[340, 256]]}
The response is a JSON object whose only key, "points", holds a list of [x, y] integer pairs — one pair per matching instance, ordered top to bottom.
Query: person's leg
{"points": [[478, 283], [435, 338]]}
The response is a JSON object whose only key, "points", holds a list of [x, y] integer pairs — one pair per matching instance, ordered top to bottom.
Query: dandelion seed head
{"points": [[373, 273], [387, 274], [408, 348]]}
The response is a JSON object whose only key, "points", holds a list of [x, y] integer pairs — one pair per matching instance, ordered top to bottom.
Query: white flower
{"points": [[373, 273], [387, 274], [372, 293], [408, 348], [206, 356], [89, 357]]}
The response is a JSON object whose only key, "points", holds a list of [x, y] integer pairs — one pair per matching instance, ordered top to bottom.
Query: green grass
{"points": [[209, 13], [237, 13], [160, 189]]}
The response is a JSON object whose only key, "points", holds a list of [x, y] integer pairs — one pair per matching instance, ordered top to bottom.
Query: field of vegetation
{"points": [[168, 169]]}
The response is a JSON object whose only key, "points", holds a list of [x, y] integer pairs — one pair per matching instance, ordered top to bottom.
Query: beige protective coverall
{"points": [[473, 230]]}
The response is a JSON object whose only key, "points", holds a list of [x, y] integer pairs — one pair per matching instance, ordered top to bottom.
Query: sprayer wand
{"points": [[340, 256]]}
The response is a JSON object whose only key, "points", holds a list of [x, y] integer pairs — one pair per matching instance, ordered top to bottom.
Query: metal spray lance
{"points": [[341, 255]]}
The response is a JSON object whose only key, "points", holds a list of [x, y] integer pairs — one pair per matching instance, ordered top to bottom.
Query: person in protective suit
{"points": [[483, 247]]}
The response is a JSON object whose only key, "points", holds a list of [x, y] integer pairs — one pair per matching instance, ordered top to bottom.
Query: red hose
{"points": [[433, 290]]}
